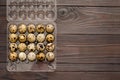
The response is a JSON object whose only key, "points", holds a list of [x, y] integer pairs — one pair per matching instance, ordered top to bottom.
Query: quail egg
{"points": [[13, 28], [22, 28], [31, 28], [40, 28], [50, 28], [22, 37], [13, 38], [31, 38], [40, 38], [50, 38], [13, 47], [22, 47], [31, 47], [40, 47], [50, 47], [13, 56], [22, 56], [31, 56], [41, 56], [50, 56]]}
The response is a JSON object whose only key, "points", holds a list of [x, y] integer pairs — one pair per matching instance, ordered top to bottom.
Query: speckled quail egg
{"points": [[13, 28], [22, 28], [31, 28], [40, 28], [50, 28], [13, 38], [22, 38], [31, 38], [40, 38], [50, 38], [13, 47], [22, 47], [31, 47], [40, 47], [50, 47], [13, 56], [22, 56], [31, 56], [40, 56], [50, 56]]}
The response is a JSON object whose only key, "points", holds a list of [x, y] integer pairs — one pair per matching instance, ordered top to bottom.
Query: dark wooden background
{"points": [[88, 42]]}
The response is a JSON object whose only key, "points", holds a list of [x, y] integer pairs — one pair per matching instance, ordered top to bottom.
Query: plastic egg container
{"points": [[18, 10], [31, 46]]}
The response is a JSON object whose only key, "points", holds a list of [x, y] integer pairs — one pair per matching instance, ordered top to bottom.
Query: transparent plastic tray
{"points": [[31, 10], [35, 66]]}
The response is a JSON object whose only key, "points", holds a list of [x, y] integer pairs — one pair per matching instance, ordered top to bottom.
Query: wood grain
{"points": [[82, 2], [83, 20], [88, 20], [88, 42], [82, 46], [98, 49], [83, 67], [61, 76], [85, 76]]}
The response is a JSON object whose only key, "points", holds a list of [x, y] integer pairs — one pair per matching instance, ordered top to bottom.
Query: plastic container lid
{"points": [[31, 10]]}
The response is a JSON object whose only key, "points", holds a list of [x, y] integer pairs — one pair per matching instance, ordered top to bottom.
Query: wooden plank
{"points": [[3, 2], [81, 2], [89, 2], [3, 13], [82, 20], [88, 20], [80, 40], [87, 40], [81, 48], [78, 55], [92, 55], [83, 59], [83, 67], [88, 67], [22, 76], [65, 76], [85, 76]]}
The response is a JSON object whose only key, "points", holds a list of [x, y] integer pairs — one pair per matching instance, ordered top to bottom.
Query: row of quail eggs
{"points": [[31, 28], [31, 38], [40, 47], [41, 56]]}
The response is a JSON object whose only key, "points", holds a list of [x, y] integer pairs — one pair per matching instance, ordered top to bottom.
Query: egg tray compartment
{"points": [[19, 10], [35, 66]]}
